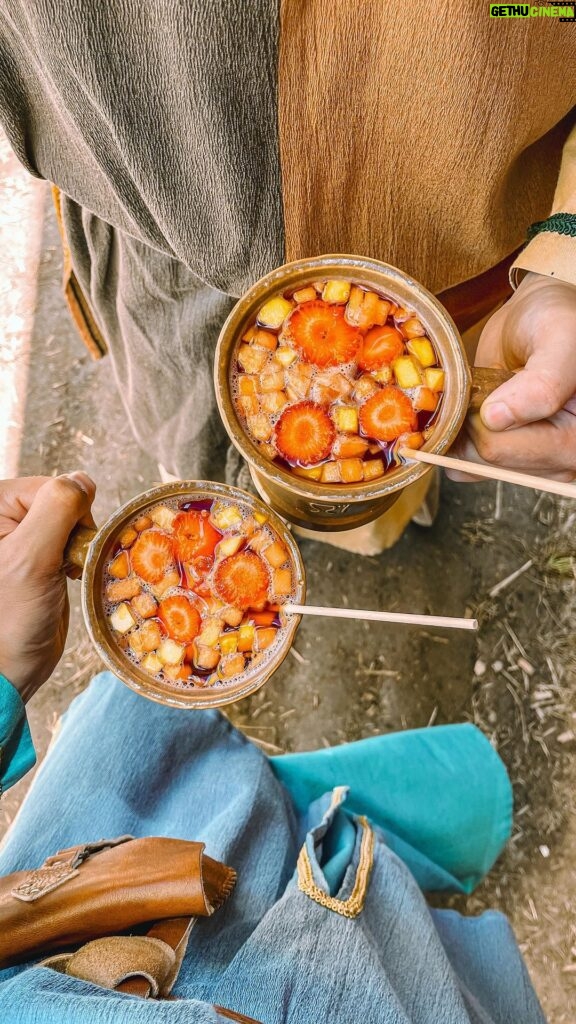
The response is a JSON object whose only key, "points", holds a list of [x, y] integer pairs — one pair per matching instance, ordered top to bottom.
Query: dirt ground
{"points": [[514, 679]]}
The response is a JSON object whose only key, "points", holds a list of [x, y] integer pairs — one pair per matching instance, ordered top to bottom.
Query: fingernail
{"points": [[496, 415], [82, 480]]}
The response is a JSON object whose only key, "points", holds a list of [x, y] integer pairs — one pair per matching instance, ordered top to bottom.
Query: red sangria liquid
{"points": [[332, 378], [193, 591]]}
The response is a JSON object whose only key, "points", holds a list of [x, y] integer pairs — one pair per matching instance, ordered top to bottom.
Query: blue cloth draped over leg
{"points": [[122, 764]]}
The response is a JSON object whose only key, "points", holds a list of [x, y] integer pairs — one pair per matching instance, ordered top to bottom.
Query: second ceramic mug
{"points": [[345, 506]]}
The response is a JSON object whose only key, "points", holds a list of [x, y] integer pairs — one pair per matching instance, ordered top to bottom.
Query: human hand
{"points": [[528, 423], [37, 515]]}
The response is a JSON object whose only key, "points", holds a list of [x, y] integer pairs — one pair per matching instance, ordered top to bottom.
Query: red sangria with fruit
{"points": [[331, 378], [193, 590]]}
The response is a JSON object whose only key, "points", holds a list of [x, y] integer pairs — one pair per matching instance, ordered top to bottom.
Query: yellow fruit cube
{"points": [[336, 291], [305, 294], [274, 312], [413, 328], [422, 349], [285, 356], [252, 359], [407, 372], [384, 375], [434, 378], [272, 379], [273, 403], [346, 418], [373, 469], [351, 470], [308, 473], [330, 473], [163, 516], [225, 516], [260, 518], [228, 546], [276, 554], [282, 582], [232, 616], [122, 619], [210, 634], [246, 636], [228, 643], [170, 653], [152, 664]]}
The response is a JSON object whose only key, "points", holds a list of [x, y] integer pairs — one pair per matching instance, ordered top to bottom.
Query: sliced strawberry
{"points": [[320, 332], [380, 346], [387, 414], [304, 434], [194, 535], [152, 555], [242, 580], [180, 617]]}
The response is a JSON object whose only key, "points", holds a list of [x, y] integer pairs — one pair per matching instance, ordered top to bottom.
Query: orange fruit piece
{"points": [[321, 334], [387, 414], [304, 434]]}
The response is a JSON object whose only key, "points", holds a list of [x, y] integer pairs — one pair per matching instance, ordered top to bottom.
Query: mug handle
{"points": [[485, 380], [76, 550]]}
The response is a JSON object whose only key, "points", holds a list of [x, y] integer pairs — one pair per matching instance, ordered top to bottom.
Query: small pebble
{"points": [[497, 666], [479, 667], [566, 737], [545, 851]]}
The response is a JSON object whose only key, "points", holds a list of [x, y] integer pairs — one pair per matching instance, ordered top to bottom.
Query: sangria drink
{"points": [[331, 378], [192, 589]]}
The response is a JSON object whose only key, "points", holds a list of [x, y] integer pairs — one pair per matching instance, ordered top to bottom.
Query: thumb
{"points": [[534, 393], [56, 509]]}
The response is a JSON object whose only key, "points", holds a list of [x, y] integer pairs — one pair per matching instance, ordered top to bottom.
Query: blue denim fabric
{"points": [[121, 764]]}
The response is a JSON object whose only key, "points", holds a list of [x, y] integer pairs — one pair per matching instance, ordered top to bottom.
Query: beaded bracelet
{"points": [[559, 223]]}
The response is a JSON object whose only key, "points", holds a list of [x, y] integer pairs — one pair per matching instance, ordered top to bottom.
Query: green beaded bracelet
{"points": [[558, 223]]}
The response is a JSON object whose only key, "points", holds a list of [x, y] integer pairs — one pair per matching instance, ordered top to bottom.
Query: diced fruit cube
{"points": [[318, 286], [336, 291], [305, 294], [354, 307], [364, 309], [274, 312], [381, 312], [413, 328], [249, 334], [265, 339], [422, 349], [285, 356], [252, 359], [406, 372], [383, 375], [299, 378], [434, 378], [272, 379], [246, 385], [330, 385], [364, 387], [425, 400], [273, 403], [249, 405], [346, 418], [260, 426], [413, 440], [349, 447], [373, 468], [351, 470], [308, 473], [330, 473], [163, 516], [224, 516], [260, 518], [142, 523], [248, 526], [128, 536], [259, 541], [229, 546], [276, 554], [119, 567], [171, 579], [282, 582], [123, 590], [144, 605], [232, 616], [260, 618], [122, 619], [210, 634], [246, 637], [265, 638], [145, 639], [228, 643], [170, 652], [206, 657], [152, 664], [233, 665], [175, 672]]}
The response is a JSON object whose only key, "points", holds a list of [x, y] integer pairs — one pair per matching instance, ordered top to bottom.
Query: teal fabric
{"points": [[17, 754], [440, 796]]}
